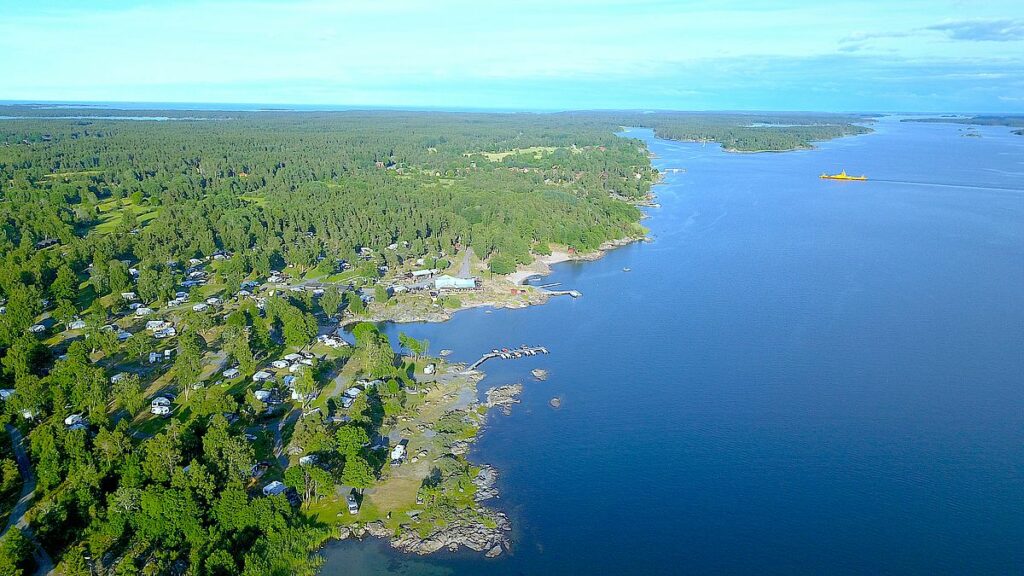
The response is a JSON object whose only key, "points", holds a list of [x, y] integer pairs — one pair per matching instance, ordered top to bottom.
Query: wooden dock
{"points": [[573, 293], [509, 354]]}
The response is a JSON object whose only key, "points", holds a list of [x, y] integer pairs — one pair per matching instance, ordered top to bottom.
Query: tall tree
{"points": [[65, 285], [331, 301], [189, 363], [127, 392]]}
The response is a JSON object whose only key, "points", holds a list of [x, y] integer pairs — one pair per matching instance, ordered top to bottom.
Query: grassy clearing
{"points": [[537, 151], [69, 175], [257, 200], [112, 210]]}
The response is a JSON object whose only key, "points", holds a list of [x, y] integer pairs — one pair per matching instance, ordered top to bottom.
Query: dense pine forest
{"points": [[180, 214]]}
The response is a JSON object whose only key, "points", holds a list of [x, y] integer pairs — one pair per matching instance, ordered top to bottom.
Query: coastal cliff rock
{"points": [[504, 397], [485, 481], [377, 529], [470, 533]]}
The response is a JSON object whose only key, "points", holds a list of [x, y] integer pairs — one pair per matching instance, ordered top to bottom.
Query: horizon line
{"points": [[223, 106]]}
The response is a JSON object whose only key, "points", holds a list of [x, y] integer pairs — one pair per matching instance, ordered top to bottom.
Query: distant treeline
{"points": [[982, 120], [748, 132]]}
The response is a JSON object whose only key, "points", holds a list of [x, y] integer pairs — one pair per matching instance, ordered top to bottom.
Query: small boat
{"points": [[841, 176], [626, 269]]}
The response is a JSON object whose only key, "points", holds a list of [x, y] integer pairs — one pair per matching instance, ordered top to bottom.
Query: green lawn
{"points": [[537, 151], [111, 211]]}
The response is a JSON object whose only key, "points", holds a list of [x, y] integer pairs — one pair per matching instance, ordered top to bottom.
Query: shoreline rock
{"points": [[504, 397], [486, 480], [460, 532]]}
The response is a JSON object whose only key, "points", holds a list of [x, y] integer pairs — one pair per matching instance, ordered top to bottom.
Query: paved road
{"points": [[464, 271], [340, 384], [289, 418], [28, 492]]}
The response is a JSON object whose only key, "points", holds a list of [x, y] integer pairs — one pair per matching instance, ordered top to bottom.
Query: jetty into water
{"points": [[509, 354]]}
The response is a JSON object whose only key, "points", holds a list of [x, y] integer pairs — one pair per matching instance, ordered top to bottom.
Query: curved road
{"points": [[28, 490]]}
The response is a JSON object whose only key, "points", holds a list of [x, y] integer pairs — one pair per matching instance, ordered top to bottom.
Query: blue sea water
{"points": [[797, 376]]}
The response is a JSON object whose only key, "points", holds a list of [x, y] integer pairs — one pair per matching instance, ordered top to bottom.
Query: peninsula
{"points": [[193, 377]]}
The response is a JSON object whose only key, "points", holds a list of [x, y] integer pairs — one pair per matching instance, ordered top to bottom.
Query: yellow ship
{"points": [[842, 176]]}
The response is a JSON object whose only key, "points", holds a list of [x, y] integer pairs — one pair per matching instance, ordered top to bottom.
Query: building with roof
{"points": [[447, 282]]}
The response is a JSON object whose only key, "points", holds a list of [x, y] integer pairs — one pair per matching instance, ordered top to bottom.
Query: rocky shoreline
{"points": [[504, 397], [479, 528], [487, 532], [475, 533]]}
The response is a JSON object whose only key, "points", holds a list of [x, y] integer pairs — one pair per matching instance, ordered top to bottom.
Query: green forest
{"points": [[110, 222]]}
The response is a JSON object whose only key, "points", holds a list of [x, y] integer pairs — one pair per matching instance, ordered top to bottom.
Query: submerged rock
{"points": [[555, 402]]}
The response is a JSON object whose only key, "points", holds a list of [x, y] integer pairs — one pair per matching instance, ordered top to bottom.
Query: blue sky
{"points": [[904, 55]]}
